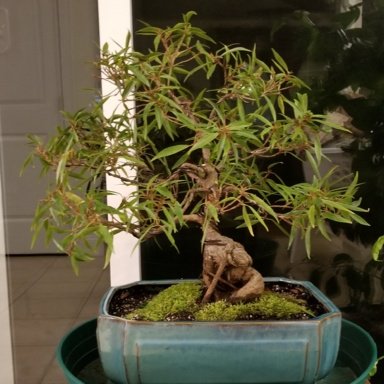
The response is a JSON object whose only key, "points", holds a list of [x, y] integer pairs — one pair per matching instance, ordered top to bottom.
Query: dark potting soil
{"points": [[129, 299]]}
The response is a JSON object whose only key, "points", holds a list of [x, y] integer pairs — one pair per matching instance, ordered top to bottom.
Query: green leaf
{"points": [[279, 62], [211, 71], [139, 75], [281, 104], [271, 107], [240, 109], [204, 140], [317, 148], [169, 151], [183, 158], [313, 163], [352, 186], [164, 191], [263, 204], [341, 206], [212, 212], [312, 216], [255, 218], [336, 218], [170, 219], [359, 219], [247, 220], [323, 228], [168, 232], [293, 234], [106, 236], [307, 241], [377, 247]]}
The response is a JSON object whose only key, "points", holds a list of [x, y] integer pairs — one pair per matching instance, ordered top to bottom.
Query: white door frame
{"points": [[115, 20], [6, 356]]}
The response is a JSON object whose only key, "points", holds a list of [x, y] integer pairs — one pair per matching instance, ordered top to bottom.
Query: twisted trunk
{"points": [[227, 267], [227, 270]]}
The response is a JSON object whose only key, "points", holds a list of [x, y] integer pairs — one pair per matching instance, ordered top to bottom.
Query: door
{"points": [[46, 50]]}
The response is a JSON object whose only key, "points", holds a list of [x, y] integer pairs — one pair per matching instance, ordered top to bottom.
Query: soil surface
{"points": [[128, 299]]}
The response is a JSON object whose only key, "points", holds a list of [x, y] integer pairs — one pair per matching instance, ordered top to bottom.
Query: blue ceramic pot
{"points": [[296, 352]]}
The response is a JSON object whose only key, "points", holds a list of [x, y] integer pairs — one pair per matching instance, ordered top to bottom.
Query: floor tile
{"points": [[30, 262], [61, 271], [22, 277], [102, 284], [61, 290], [47, 300], [49, 308], [90, 308], [40, 332], [32, 363], [54, 375]]}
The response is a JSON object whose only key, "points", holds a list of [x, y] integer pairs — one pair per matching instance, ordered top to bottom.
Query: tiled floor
{"points": [[47, 299]]}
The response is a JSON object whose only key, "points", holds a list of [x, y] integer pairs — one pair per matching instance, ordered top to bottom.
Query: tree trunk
{"points": [[227, 270]]}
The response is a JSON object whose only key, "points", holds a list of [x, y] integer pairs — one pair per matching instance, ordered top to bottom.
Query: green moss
{"points": [[184, 297], [177, 298], [269, 305], [275, 305], [219, 311]]}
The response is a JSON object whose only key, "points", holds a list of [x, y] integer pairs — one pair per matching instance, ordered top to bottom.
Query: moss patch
{"points": [[178, 298], [181, 301], [269, 305]]}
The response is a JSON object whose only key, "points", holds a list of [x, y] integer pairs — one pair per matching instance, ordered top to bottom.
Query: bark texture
{"points": [[228, 271]]}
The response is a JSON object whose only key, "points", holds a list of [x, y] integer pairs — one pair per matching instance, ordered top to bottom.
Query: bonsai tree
{"points": [[203, 127]]}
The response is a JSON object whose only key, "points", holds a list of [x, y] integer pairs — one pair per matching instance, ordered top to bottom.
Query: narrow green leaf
{"points": [[282, 64], [211, 71], [139, 75], [281, 104], [271, 107], [240, 109], [159, 117], [202, 142], [317, 149], [169, 151], [184, 157], [313, 163], [352, 186], [165, 192], [263, 204], [339, 206], [212, 212], [312, 216], [336, 218], [170, 219], [359, 219], [247, 220], [323, 228], [168, 232], [293, 235], [106, 236], [307, 241], [377, 247]]}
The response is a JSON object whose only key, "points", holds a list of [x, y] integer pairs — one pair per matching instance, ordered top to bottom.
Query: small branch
{"points": [[194, 218]]}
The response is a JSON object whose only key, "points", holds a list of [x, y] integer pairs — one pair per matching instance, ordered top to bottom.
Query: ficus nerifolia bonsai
{"points": [[199, 153]]}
